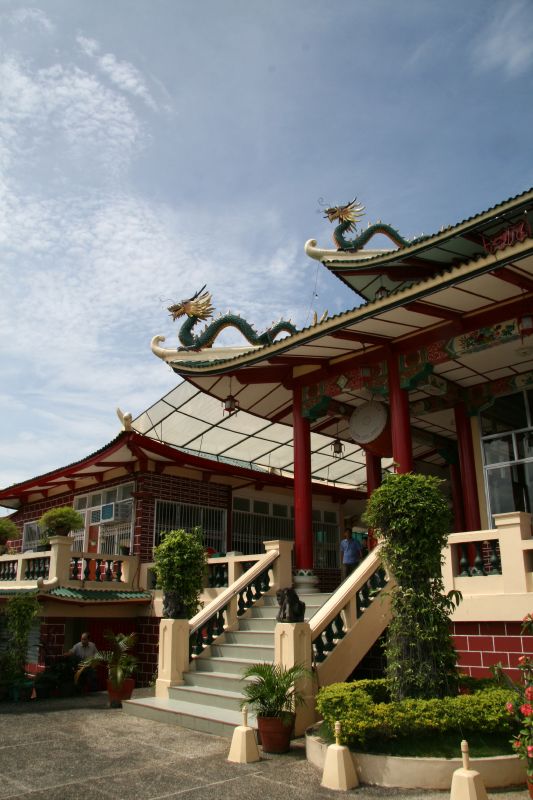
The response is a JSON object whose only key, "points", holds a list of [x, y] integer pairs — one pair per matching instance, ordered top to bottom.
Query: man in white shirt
{"points": [[84, 648]]}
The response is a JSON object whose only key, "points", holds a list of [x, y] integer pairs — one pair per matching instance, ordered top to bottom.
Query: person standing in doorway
{"points": [[351, 552]]}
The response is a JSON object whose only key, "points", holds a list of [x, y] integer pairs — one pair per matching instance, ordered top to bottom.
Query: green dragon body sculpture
{"points": [[348, 216], [198, 307]]}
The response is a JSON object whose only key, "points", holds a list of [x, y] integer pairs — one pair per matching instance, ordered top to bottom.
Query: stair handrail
{"points": [[339, 599], [221, 601]]}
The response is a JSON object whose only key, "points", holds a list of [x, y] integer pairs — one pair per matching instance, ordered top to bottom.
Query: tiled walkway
{"points": [[74, 748]]}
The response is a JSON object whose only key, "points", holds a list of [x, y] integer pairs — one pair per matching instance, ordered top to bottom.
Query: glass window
{"points": [[505, 414], [524, 444], [498, 450], [510, 488], [125, 492], [110, 496], [96, 500], [80, 503], [241, 504], [260, 507], [279, 510], [316, 515], [330, 517]]}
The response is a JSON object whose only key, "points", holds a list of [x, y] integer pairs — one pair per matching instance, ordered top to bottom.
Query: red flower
{"points": [[523, 660], [529, 693], [510, 708], [526, 710], [516, 744], [530, 751]]}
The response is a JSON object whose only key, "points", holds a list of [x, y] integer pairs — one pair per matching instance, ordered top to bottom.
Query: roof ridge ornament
{"points": [[348, 216], [198, 307]]}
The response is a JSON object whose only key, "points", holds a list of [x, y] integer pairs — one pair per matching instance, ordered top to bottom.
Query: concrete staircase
{"points": [[209, 700]]}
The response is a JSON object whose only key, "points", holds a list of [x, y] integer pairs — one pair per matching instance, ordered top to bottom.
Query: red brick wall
{"points": [[479, 645], [147, 649]]}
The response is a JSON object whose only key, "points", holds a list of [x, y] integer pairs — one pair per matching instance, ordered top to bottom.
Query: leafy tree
{"points": [[411, 517], [179, 565]]}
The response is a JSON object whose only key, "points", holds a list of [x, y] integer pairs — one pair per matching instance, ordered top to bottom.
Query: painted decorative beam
{"points": [[509, 276], [420, 307], [363, 338]]}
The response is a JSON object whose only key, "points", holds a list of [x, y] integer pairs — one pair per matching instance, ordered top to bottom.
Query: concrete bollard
{"points": [[243, 748], [339, 771], [467, 783]]}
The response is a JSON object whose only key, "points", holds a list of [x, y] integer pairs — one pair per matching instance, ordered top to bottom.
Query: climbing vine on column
{"points": [[411, 518]]}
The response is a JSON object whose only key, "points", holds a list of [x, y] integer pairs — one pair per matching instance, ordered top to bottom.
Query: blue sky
{"points": [[150, 146]]}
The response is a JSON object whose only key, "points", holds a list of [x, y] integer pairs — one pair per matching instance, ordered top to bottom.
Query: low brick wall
{"points": [[479, 645]]}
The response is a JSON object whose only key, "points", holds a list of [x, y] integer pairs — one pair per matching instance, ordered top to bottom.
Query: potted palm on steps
{"points": [[120, 665], [273, 696]]}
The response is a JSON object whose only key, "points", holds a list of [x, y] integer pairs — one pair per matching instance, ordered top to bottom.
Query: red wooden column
{"points": [[463, 431], [402, 451], [457, 498], [303, 518]]}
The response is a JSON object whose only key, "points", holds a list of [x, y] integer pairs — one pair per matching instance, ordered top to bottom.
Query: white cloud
{"points": [[32, 16], [507, 42], [122, 73]]}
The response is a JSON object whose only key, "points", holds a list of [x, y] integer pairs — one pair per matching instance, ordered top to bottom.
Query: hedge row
{"points": [[366, 716]]}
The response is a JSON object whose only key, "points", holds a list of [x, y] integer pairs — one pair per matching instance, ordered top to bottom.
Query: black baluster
{"points": [[463, 561], [74, 562], [495, 563], [40, 567], [46, 567], [477, 569], [87, 570], [109, 570], [27, 572], [118, 574], [225, 574], [97, 575], [211, 576], [265, 581], [257, 589], [249, 598], [241, 605], [338, 624], [219, 625], [328, 635], [208, 638], [198, 642], [319, 649]]}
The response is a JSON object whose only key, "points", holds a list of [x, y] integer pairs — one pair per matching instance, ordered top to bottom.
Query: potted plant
{"points": [[60, 521], [8, 530], [43, 543], [179, 566], [120, 665], [273, 696]]}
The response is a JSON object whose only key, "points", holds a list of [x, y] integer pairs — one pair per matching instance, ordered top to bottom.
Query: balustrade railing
{"points": [[62, 565], [239, 597], [346, 606]]}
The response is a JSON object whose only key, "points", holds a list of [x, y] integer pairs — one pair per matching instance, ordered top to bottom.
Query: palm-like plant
{"points": [[119, 662], [272, 691]]}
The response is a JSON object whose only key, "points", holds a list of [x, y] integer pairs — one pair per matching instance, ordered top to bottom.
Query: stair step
{"points": [[256, 623], [258, 637], [253, 652], [233, 666], [225, 681], [203, 696], [217, 721]]}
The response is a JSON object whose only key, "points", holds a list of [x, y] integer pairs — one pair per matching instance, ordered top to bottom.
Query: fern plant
{"points": [[272, 692]]}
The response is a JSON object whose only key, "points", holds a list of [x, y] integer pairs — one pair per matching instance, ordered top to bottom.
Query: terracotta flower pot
{"points": [[119, 693], [275, 733], [530, 786]]}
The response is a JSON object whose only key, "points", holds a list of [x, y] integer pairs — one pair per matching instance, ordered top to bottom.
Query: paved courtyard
{"points": [[73, 748]]}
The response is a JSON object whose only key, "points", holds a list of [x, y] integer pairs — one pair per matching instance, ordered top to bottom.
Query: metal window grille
{"points": [[172, 516], [251, 530], [31, 535], [114, 536], [78, 540]]}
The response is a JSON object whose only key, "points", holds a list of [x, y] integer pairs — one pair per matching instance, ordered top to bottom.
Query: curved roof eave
{"points": [[442, 280]]}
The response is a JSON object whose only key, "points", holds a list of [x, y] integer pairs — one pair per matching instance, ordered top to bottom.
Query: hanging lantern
{"points": [[230, 405], [337, 448]]}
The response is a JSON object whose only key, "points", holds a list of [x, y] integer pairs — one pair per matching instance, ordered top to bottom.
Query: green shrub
{"points": [[411, 517], [8, 530], [179, 565], [365, 721]]}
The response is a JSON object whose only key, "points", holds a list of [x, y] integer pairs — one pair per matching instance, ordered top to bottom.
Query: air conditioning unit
{"points": [[108, 512], [116, 512]]}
